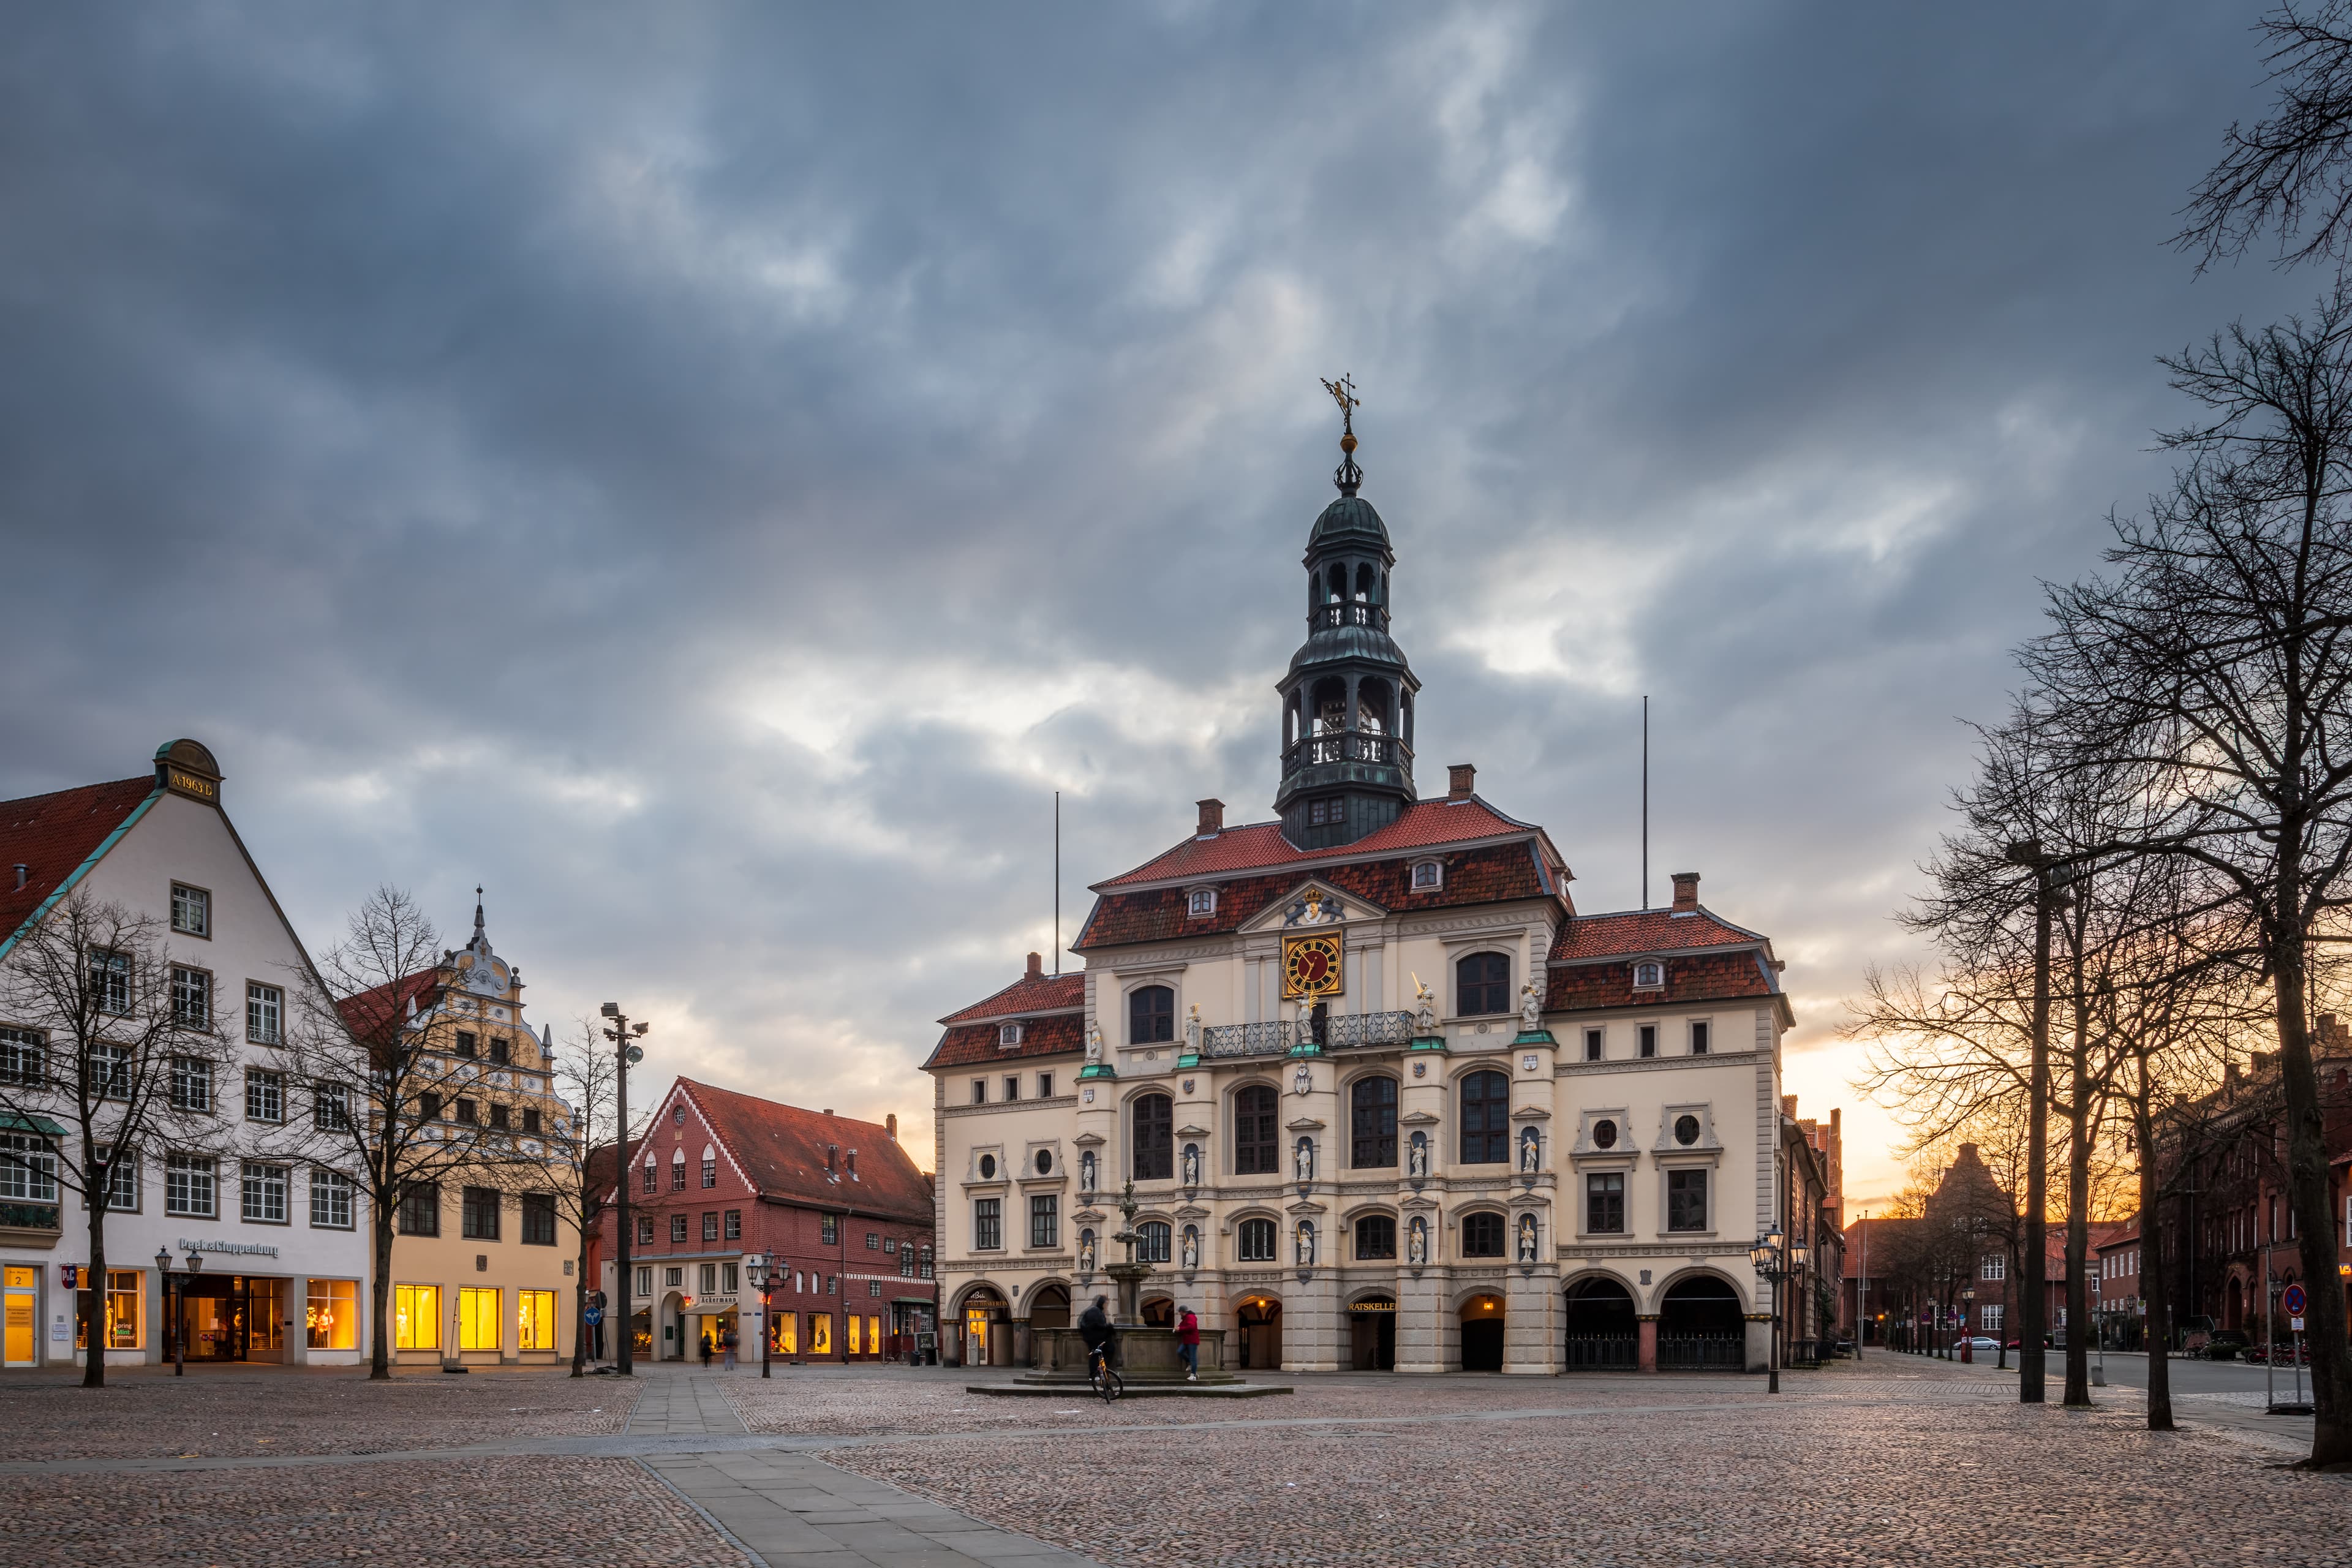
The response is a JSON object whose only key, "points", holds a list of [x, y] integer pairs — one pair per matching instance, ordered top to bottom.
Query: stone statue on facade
{"points": [[1530, 1009], [1424, 1015], [1193, 1030], [1094, 1045], [1530, 1150], [1417, 1157], [1303, 1159], [1192, 1164], [1087, 1173], [1527, 1238], [1416, 1242], [1305, 1244], [1191, 1247], [1085, 1252]]}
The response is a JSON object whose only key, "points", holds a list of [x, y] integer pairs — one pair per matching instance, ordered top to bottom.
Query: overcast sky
{"points": [[711, 473]]}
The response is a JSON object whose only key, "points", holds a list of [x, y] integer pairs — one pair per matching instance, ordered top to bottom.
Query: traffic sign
{"points": [[2293, 1301], [592, 1316], [2295, 1324]]}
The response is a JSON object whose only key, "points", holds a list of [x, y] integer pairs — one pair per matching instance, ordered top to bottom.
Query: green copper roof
{"points": [[1349, 515]]}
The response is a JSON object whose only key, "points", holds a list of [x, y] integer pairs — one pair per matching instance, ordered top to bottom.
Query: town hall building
{"points": [[1387, 1099]]}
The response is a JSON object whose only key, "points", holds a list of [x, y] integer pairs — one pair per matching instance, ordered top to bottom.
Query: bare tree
{"points": [[2290, 173], [2215, 659], [111, 1039], [383, 1080], [578, 1171]]}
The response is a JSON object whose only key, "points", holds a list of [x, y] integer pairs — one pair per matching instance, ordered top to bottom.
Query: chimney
{"points": [[1461, 780], [1212, 818], [21, 868], [1685, 892], [1037, 970], [891, 1125]]}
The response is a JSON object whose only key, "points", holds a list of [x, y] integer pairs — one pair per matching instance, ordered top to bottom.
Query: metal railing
{"points": [[1349, 613], [1347, 746], [1334, 1031], [1603, 1353], [1702, 1353]]}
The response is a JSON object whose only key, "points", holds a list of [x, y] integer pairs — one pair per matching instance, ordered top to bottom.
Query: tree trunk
{"points": [[2307, 1193], [381, 1216], [2078, 1223], [2034, 1290], [89, 1309], [580, 1311], [2158, 1334]]}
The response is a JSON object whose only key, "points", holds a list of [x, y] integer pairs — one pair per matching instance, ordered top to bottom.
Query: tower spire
{"points": [[1347, 476], [479, 938]]}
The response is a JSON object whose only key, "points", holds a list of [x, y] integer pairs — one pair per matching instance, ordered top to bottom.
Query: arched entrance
{"points": [[1050, 1306], [2233, 1309], [1159, 1312], [1260, 1320], [987, 1323], [673, 1326], [1702, 1327], [1371, 1333], [1482, 1333], [1602, 1333]]}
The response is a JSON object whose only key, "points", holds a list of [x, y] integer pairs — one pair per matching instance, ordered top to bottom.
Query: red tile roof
{"points": [[52, 835], [1260, 845], [1488, 874], [1638, 933], [1701, 977], [1030, 993], [366, 1012], [1054, 1034], [781, 1149]]}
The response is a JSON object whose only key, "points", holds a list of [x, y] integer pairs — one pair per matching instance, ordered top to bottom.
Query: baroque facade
{"points": [[1385, 1097]]}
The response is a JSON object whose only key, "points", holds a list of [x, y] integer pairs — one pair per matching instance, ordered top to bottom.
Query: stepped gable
{"points": [[53, 835], [782, 1148]]}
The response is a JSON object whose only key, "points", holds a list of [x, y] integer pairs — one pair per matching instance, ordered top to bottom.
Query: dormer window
{"points": [[1428, 876], [1201, 903], [1649, 975], [1008, 1037]]}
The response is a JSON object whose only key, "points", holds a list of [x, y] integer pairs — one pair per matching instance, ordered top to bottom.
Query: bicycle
{"points": [[1103, 1378]]}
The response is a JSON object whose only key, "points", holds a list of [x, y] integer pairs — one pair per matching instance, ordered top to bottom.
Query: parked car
{"points": [[1982, 1345]]}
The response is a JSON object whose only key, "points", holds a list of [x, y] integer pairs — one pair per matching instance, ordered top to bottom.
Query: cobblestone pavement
{"points": [[244, 1412], [500, 1511]]}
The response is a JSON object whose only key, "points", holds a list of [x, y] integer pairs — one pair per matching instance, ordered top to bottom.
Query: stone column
{"points": [[1532, 1331], [1648, 1352]]}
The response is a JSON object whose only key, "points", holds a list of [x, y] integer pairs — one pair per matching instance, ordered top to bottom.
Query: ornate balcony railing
{"points": [[1349, 613], [1347, 746], [1337, 1031], [1603, 1353]]}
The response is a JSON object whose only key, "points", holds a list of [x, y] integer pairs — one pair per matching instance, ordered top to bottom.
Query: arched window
{"points": [[1335, 580], [1367, 582], [1482, 984], [1150, 1014], [1485, 1118], [1153, 1120], [1373, 1122], [1257, 1143], [1482, 1234], [1376, 1238], [1151, 1241], [1257, 1241]]}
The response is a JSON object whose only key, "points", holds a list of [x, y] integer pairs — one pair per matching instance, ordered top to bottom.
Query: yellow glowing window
{"points": [[123, 1296], [332, 1316], [416, 1317], [478, 1317], [535, 1319], [820, 1334], [874, 1335], [788, 1336], [856, 1344]]}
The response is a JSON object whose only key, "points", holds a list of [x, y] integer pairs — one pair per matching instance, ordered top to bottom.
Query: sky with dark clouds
{"points": [[710, 473]]}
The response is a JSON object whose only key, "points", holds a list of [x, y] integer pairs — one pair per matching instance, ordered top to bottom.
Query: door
{"points": [[23, 1341]]}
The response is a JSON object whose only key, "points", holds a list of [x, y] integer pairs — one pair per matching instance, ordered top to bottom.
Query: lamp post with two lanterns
{"points": [[626, 1053], [1777, 1258], [172, 1299], [767, 1309]]}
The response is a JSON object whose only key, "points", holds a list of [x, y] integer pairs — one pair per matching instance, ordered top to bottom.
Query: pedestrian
{"points": [[727, 1344], [1188, 1344], [706, 1350]]}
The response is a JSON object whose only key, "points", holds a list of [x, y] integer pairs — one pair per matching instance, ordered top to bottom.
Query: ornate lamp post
{"points": [[627, 1053], [1776, 1258], [163, 1267], [767, 1308], [1967, 1308]]}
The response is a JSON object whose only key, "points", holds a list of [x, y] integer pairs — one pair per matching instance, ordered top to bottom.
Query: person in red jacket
{"points": [[1188, 1344]]}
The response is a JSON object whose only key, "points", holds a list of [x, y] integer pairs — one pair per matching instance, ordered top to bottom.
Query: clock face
{"points": [[1310, 966]]}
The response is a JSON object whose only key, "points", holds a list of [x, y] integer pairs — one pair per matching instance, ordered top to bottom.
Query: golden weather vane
{"points": [[1343, 391]]}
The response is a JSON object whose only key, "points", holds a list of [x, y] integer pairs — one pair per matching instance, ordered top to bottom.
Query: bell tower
{"points": [[1348, 699]]}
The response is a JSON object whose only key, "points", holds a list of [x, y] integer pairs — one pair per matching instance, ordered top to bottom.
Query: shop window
{"points": [[332, 1195], [479, 1214], [539, 1219], [126, 1299], [331, 1317], [416, 1317], [478, 1317], [535, 1319], [788, 1333], [820, 1333], [874, 1334], [857, 1339]]}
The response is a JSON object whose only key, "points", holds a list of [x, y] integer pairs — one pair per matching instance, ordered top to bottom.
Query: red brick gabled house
{"points": [[720, 1180]]}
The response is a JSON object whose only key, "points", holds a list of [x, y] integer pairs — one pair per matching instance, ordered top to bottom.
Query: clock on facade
{"points": [[1311, 965]]}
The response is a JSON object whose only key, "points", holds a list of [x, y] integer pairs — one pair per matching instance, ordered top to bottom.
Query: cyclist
{"points": [[1094, 1327]]}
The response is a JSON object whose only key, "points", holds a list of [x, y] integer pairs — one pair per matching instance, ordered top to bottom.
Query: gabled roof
{"points": [[55, 837], [1260, 845], [1633, 933], [1697, 977], [1030, 993], [366, 1012], [970, 1044], [781, 1149]]}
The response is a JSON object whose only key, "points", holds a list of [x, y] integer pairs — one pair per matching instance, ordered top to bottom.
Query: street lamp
{"points": [[626, 1053], [1772, 1257], [767, 1309], [1968, 1310], [173, 1317]]}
